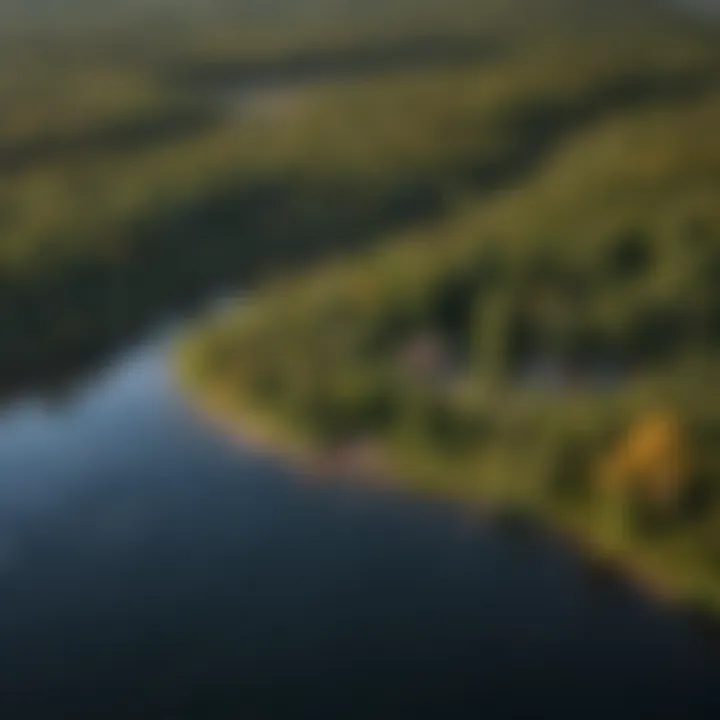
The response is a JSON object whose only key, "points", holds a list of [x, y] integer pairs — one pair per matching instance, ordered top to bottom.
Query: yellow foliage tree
{"points": [[651, 459]]}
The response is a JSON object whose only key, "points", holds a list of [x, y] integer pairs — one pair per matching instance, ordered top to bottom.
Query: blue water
{"points": [[149, 569]]}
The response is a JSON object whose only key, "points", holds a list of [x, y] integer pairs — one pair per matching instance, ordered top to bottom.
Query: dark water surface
{"points": [[150, 570]]}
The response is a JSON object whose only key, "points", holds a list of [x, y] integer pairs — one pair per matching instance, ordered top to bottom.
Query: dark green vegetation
{"points": [[138, 170], [550, 346]]}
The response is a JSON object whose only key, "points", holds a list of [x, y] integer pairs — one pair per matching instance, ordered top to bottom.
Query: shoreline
{"points": [[258, 439], [634, 568]]}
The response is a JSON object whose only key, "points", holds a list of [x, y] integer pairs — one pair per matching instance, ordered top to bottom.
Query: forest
{"points": [[139, 169], [535, 324]]}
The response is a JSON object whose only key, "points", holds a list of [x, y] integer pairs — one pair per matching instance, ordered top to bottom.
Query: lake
{"points": [[149, 569]]}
